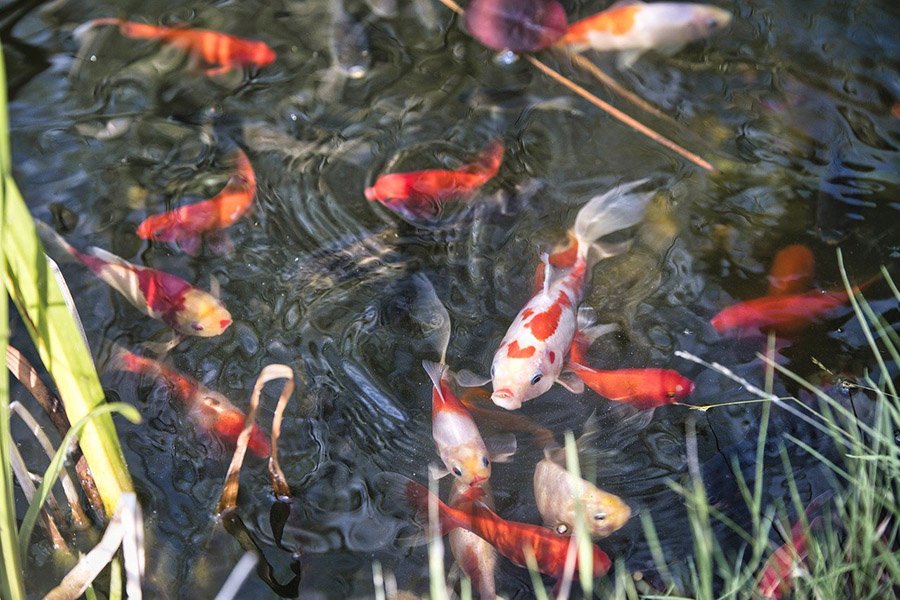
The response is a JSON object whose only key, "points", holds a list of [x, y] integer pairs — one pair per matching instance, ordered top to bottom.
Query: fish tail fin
{"points": [[613, 211], [52, 239], [430, 313], [122, 359], [435, 373], [399, 491]]}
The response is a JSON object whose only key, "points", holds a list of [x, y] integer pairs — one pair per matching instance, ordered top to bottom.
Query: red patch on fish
{"points": [[617, 20], [163, 292], [543, 325], [514, 351], [552, 357], [641, 388]]}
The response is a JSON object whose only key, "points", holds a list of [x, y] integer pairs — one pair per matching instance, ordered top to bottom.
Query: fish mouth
{"points": [[370, 194], [504, 399]]}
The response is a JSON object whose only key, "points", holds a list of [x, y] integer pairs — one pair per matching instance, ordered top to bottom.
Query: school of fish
{"points": [[548, 341]]}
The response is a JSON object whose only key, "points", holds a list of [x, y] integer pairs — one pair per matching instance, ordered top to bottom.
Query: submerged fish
{"points": [[632, 27], [349, 43], [226, 52], [421, 194], [188, 223], [791, 271], [160, 295], [782, 315], [533, 352], [210, 410], [501, 420], [558, 494], [509, 538], [476, 558]]}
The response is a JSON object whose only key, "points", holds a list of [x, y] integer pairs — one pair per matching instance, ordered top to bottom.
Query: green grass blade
{"points": [[56, 465], [11, 583]]}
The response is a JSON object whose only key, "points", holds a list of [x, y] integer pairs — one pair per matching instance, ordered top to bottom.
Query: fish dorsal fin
{"points": [[627, 58], [545, 258], [431, 315], [435, 374], [466, 378], [571, 382], [501, 448]]}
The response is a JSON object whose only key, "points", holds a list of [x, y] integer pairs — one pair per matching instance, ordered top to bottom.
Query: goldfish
{"points": [[632, 27], [226, 52], [421, 194], [186, 224], [791, 271], [160, 295], [783, 315], [533, 351], [209, 409], [456, 437], [557, 493], [509, 538], [476, 558]]}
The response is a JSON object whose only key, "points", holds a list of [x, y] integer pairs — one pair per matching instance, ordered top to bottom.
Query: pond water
{"points": [[798, 105]]}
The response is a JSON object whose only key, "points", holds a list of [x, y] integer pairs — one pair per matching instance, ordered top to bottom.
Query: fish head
{"points": [[706, 20], [253, 53], [388, 187], [202, 315], [728, 319], [520, 374], [676, 386], [469, 463], [605, 512]]}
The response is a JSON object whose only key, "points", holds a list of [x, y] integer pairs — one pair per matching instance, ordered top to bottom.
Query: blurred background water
{"points": [[798, 105]]}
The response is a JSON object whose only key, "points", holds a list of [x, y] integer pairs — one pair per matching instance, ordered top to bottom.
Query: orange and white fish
{"points": [[632, 27], [226, 52], [421, 194], [186, 224], [791, 271], [160, 295], [533, 353], [210, 410], [456, 437], [557, 494], [509, 538], [476, 558]]}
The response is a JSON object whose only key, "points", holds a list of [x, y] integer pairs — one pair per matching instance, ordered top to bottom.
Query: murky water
{"points": [[795, 104]]}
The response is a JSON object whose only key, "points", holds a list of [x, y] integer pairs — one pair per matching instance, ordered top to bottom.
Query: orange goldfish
{"points": [[632, 27], [226, 52], [421, 194], [186, 224], [792, 270], [160, 295], [782, 315], [533, 351], [210, 410], [509, 538], [476, 558]]}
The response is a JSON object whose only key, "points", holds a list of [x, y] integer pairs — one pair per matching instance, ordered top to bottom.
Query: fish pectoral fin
{"points": [[627, 58], [603, 250], [466, 378], [571, 382], [501, 448], [436, 472]]}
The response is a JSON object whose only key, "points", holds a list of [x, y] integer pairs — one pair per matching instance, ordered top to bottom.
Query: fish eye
{"points": [[711, 23], [196, 326], [537, 378], [485, 461], [457, 471], [600, 516], [562, 528]]}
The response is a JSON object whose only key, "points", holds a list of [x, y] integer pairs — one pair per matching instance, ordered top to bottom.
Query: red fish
{"points": [[224, 51], [421, 194], [186, 224], [792, 270], [171, 299], [782, 315], [210, 410], [510, 538]]}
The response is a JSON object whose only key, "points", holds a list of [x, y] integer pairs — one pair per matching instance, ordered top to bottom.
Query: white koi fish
{"points": [[633, 27], [533, 352], [476, 558]]}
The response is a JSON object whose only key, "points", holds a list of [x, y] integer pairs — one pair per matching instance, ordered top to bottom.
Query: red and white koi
{"points": [[632, 27], [225, 52], [421, 194], [186, 224], [160, 295], [533, 352], [209, 409], [476, 558]]}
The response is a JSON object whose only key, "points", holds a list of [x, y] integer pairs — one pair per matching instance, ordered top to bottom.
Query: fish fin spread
{"points": [[626, 58], [613, 211], [51, 238], [190, 244], [603, 250], [545, 258], [431, 315], [594, 332], [435, 373], [466, 378], [571, 382], [501, 448], [435, 472]]}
